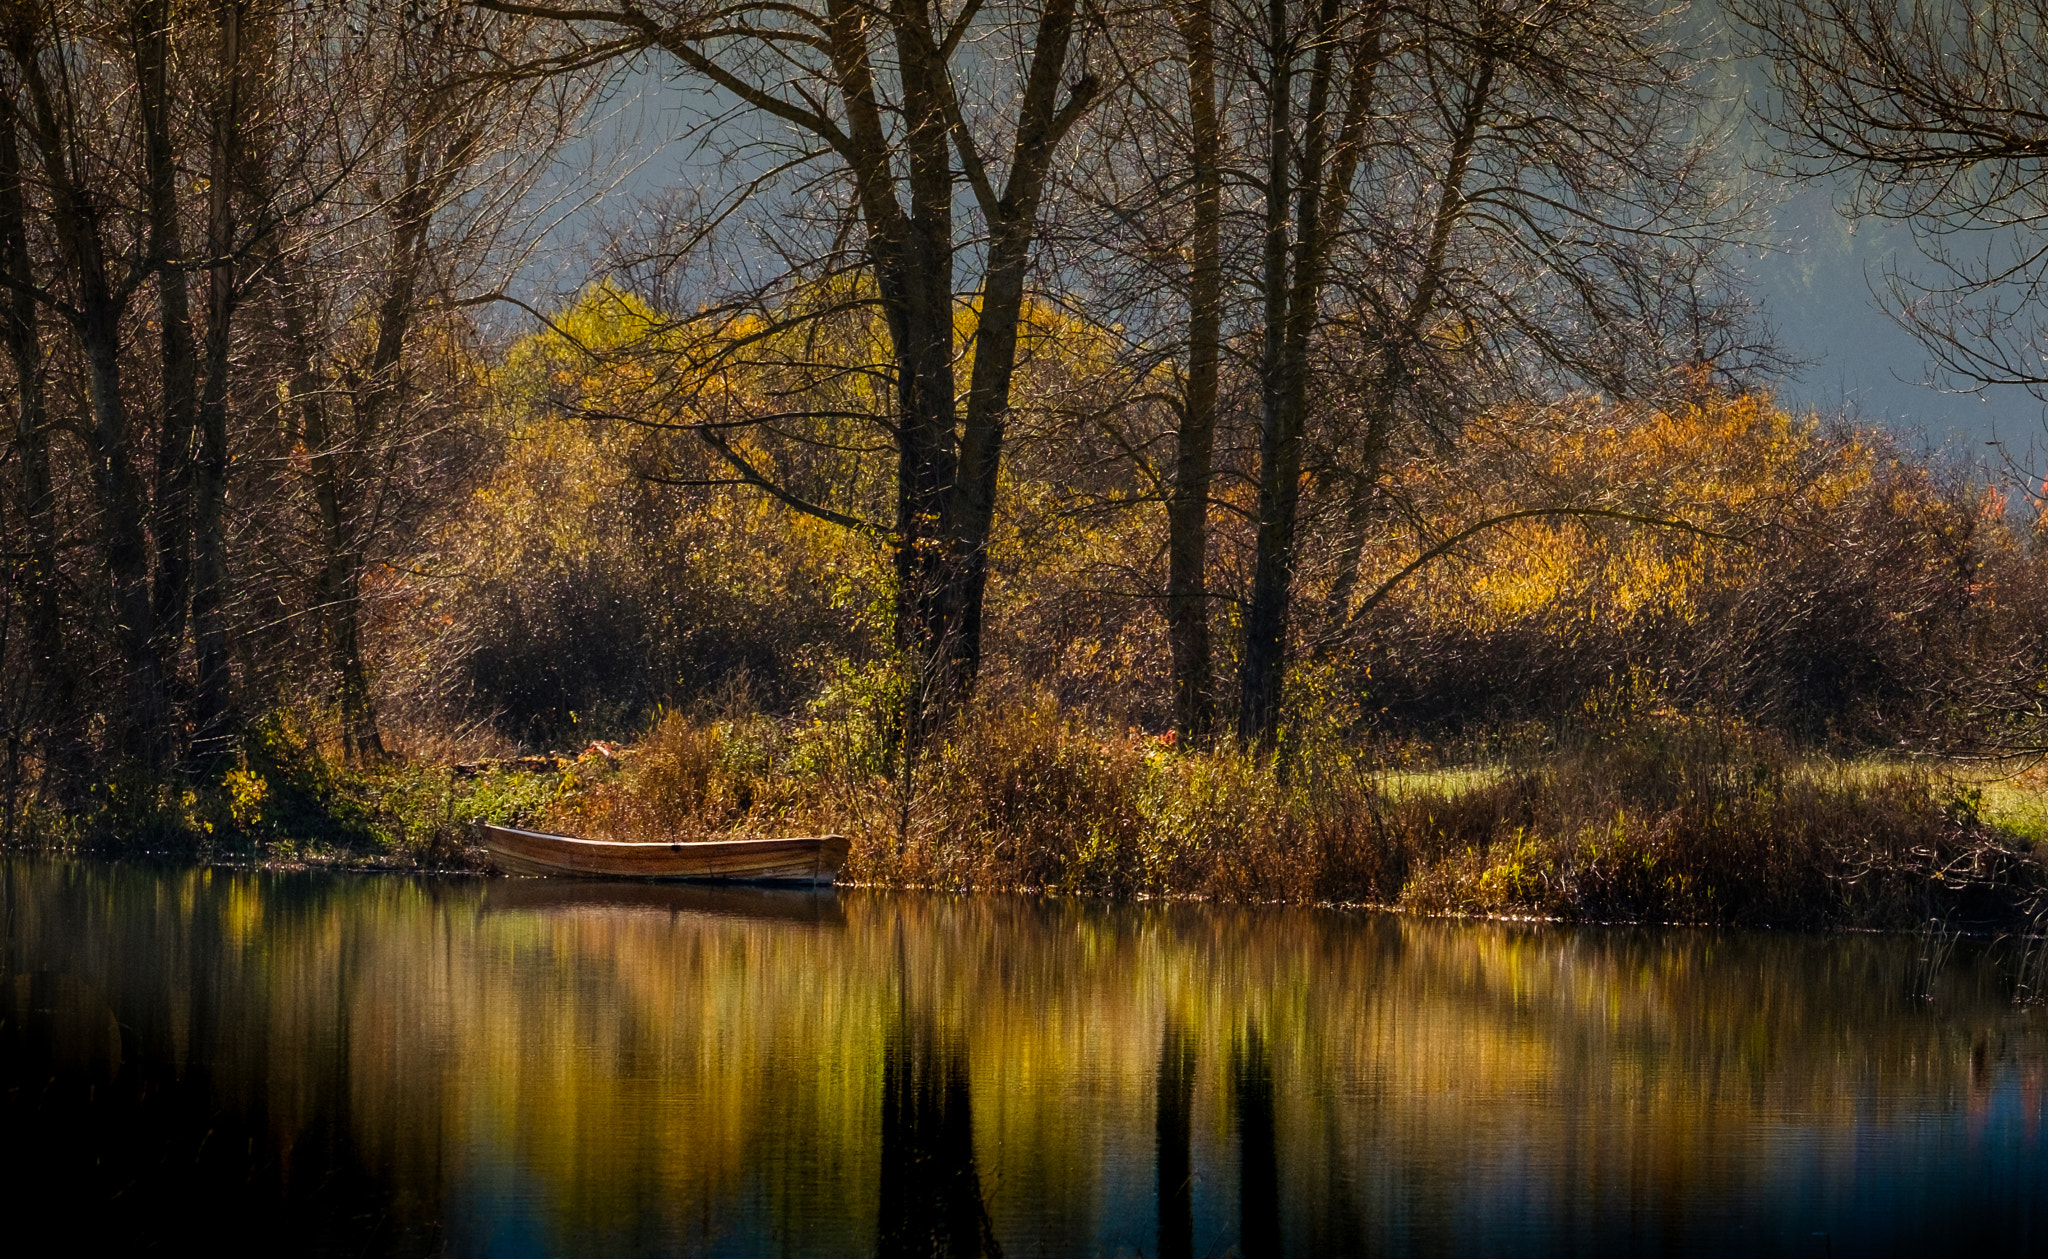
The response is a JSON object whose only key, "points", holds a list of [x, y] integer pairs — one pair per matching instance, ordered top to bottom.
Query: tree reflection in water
{"points": [[384, 1065], [1175, 1132], [104, 1137], [1258, 1156], [930, 1201]]}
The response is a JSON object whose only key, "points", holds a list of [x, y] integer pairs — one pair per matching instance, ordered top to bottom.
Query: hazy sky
{"points": [[1819, 287], [1820, 296]]}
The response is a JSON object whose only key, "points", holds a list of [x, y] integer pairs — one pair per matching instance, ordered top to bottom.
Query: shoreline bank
{"points": [[1673, 821]]}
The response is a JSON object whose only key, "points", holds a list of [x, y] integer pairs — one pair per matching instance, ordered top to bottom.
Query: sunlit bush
{"points": [[1827, 585], [571, 595]]}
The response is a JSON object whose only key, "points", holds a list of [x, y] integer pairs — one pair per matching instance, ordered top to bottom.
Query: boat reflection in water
{"points": [[815, 905], [383, 1065]]}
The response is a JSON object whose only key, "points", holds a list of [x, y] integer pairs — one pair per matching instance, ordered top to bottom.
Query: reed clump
{"points": [[690, 778], [1666, 818], [1712, 823]]}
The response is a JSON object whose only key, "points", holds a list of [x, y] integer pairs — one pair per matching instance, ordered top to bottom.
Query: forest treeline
{"points": [[1272, 377]]}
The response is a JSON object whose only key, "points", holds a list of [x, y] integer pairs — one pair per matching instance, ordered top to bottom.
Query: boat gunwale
{"points": [[699, 845], [812, 860]]}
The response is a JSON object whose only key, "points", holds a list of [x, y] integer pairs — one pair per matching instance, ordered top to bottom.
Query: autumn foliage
{"points": [[1715, 555]]}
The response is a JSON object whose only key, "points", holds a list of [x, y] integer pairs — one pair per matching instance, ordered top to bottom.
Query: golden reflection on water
{"points": [[523, 1067]]}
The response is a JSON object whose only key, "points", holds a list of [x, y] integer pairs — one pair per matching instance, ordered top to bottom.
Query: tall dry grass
{"points": [[1660, 819]]}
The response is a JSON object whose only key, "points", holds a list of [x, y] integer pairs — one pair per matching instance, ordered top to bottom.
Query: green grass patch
{"points": [[2019, 808]]}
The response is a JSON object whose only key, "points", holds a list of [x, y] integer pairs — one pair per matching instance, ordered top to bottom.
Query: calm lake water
{"points": [[513, 1067]]}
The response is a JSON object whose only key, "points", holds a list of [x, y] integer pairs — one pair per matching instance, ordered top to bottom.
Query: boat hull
{"points": [[813, 861]]}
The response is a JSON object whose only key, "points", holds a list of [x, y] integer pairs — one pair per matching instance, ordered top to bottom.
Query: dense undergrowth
{"points": [[1661, 818]]}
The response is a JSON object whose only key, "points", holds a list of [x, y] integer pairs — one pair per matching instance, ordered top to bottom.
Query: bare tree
{"points": [[244, 35], [76, 110], [1936, 110], [109, 112], [854, 122], [433, 177], [1308, 183], [199, 202], [1426, 210], [1187, 516], [52, 684]]}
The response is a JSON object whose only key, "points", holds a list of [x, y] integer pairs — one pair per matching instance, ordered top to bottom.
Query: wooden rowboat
{"points": [[814, 860]]}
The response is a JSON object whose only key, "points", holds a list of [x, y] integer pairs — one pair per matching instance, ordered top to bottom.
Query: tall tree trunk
{"points": [[76, 219], [1013, 225], [911, 254], [912, 257], [1293, 279], [1292, 295], [1395, 346], [928, 451], [331, 457], [348, 489], [173, 492], [1187, 509], [124, 538], [209, 538], [338, 590], [53, 681]]}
